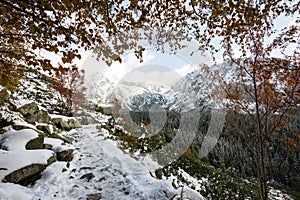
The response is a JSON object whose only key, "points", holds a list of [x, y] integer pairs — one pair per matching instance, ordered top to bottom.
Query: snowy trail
{"points": [[100, 170]]}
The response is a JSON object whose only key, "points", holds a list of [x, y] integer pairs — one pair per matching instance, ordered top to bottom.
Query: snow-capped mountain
{"points": [[108, 90], [192, 92], [189, 93], [144, 101]]}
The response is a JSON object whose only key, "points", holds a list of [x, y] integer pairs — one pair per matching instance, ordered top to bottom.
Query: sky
{"points": [[164, 69]]}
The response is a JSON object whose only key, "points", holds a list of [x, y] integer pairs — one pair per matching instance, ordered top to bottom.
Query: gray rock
{"points": [[4, 96], [29, 109], [108, 110], [32, 113], [43, 117], [31, 118], [56, 121], [73, 123], [60, 124], [20, 126], [24, 126], [65, 126], [45, 128], [20, 135], [36, 143], [47, 146], [65, 155], [159, 173], [29, 174], [25, 175], [88, 176], [96, 196]]}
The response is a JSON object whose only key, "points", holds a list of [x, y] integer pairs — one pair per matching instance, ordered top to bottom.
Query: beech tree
{"points": [[266, 88], [266, 91]]}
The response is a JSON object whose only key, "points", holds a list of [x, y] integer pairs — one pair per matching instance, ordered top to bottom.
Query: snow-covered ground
{"points": [[99, 170]]}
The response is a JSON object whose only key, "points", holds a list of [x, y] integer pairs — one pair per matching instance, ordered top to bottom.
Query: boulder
{"points": [[4, 96], [29, 109], [108, 110], [32, 113], [43, 117], [31, 118], [57, 122], [73, 123], [61, 124], [20, 126], [65, 126], [45, 128], [56, 130], [16, 140], [36, 143], [47, 146], [65, 155], [159, 173], [28, 174], [88, 176], [95, 196]]}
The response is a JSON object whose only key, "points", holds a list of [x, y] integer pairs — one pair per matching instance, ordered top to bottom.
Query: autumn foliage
{"points": [[69, 84], [267, 90]]}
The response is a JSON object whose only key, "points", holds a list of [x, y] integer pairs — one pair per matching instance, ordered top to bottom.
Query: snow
{"points": [[22, 102], [105, 105], [8, 114], [64, 118], [23, 123], [17, 140], [53, 141], [57, 144], [59, 148], [11, 161], [99, 168], [113, 174], [197, 183], [14, 191], [278, 195]]}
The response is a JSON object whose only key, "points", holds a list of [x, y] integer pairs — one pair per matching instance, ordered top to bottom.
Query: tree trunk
{"points": [[261, 164]]}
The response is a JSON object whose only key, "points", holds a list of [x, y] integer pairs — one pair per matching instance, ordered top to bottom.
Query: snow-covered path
{"points": [[100, 170]]}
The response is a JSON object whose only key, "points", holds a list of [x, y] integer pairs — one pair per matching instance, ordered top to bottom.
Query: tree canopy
{"points": [[112, 27]]}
